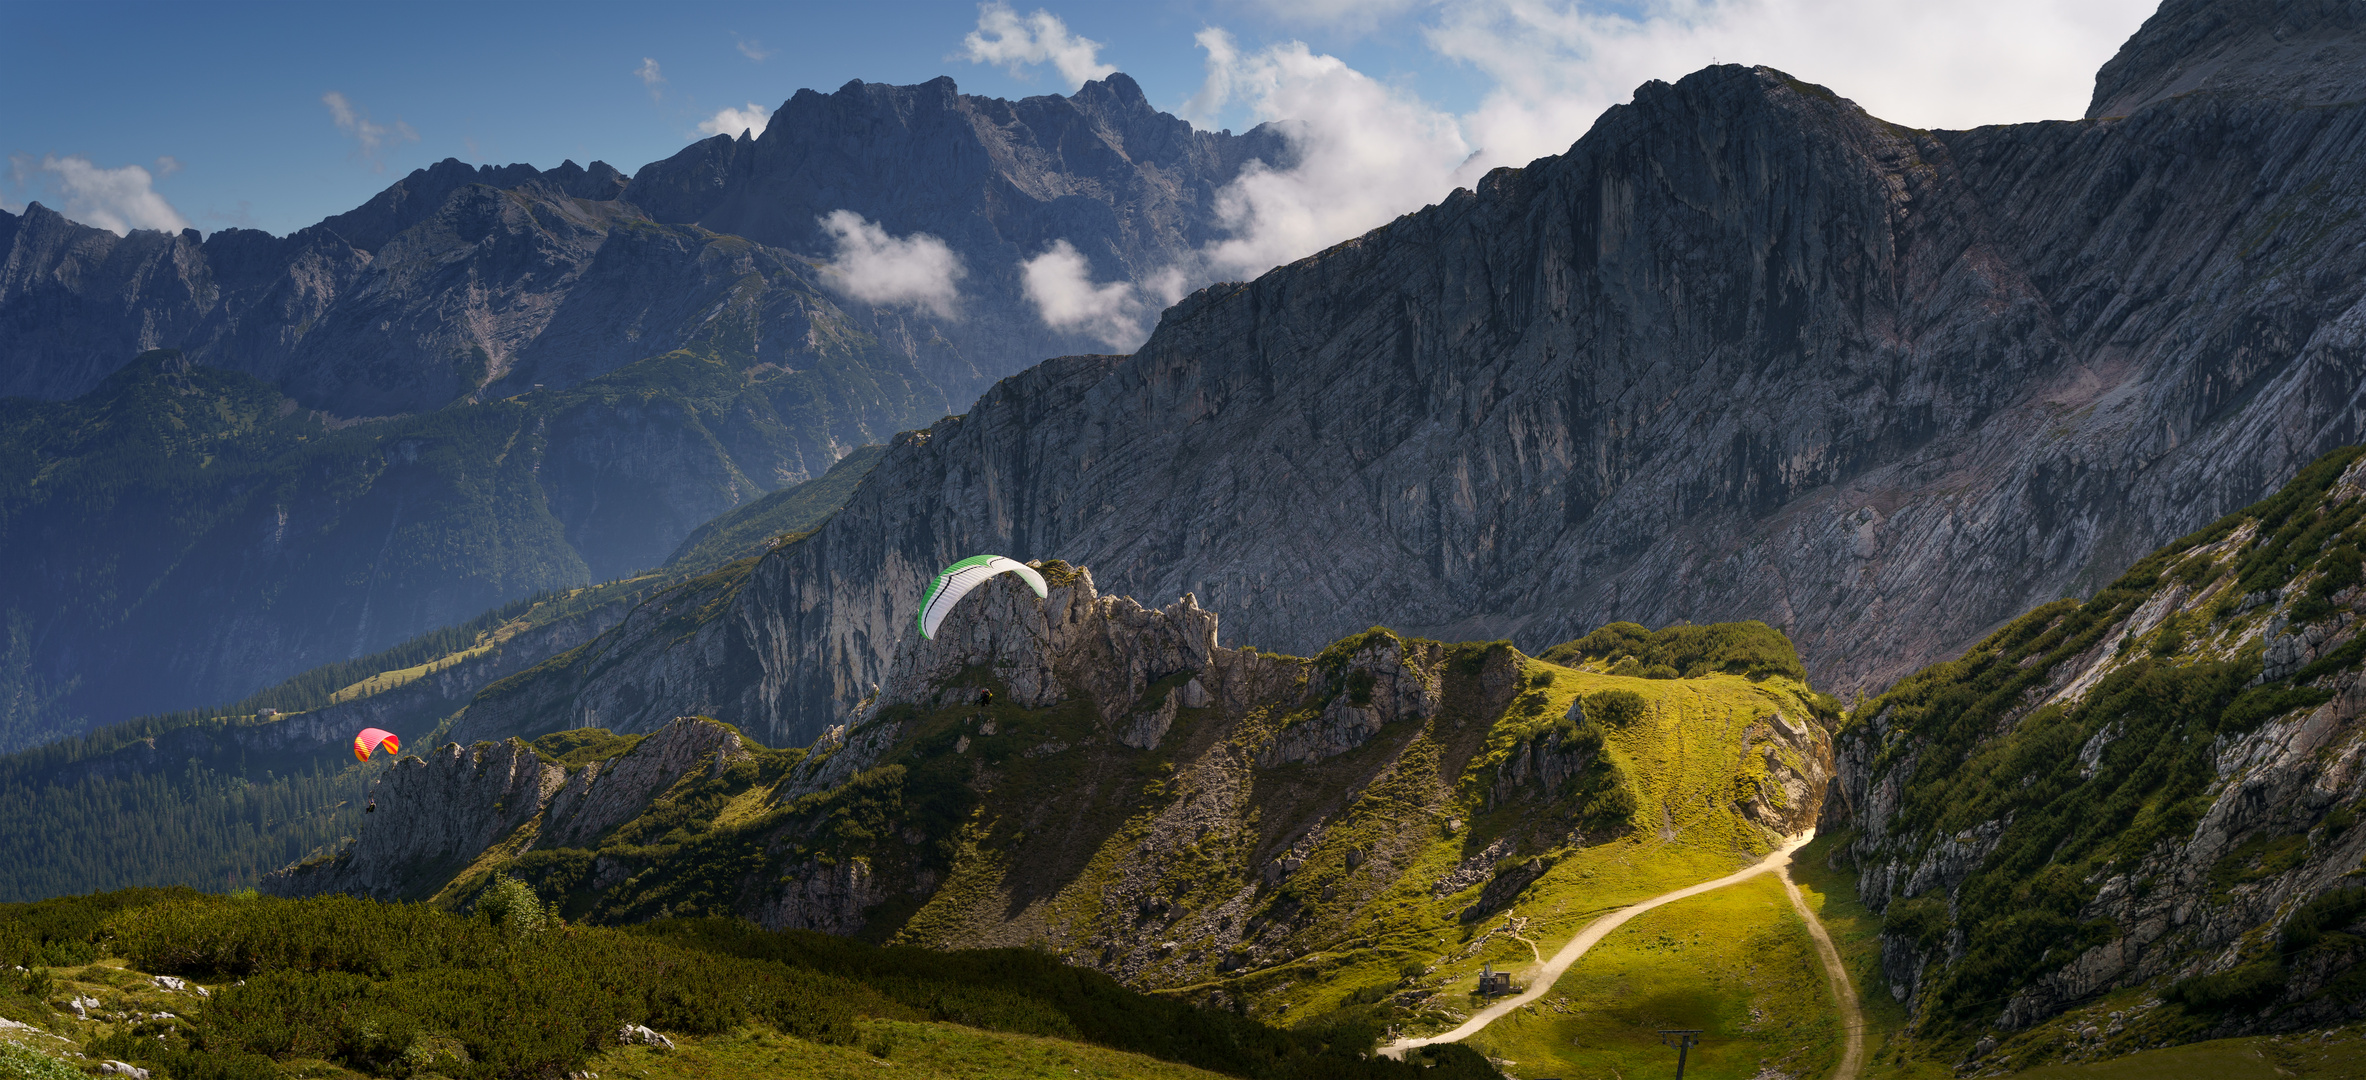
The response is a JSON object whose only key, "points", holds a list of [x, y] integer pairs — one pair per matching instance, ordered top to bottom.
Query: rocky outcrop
{"points": [[2308, 52], [1742, 352], [1109, 650], [1378, 684], [1542, 763], [1792, 773], [604, 794], [437, 813], [830, 898]]}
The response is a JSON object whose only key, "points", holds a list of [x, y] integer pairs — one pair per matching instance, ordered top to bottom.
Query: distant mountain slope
{"points": [[1133, 189], [1743, 352], [183, 534], [213, 797], [2132, 820]]}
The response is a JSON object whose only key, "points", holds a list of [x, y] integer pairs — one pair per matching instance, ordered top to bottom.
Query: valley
{"points": [[1820, 596]]}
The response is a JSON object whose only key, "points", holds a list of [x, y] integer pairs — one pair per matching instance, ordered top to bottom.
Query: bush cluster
{"points": [[1752, 649], [406, 990]]}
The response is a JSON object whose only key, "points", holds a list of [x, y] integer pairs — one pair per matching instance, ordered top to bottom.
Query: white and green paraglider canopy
{"points": [[955, 581]]}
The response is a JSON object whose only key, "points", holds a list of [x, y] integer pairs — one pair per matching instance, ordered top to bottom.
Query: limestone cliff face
{"points": [[2310, 52], [1742, 352], [2153, 791]]}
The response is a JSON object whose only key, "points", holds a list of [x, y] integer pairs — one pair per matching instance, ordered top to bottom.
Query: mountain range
{"points": [[653, 371]]}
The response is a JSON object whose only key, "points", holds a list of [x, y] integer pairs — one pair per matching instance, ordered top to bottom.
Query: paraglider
{"points": [[955, 581], [375, 739]]}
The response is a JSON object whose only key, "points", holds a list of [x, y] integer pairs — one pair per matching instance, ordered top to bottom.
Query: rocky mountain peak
{"points": [[2310, 52]]}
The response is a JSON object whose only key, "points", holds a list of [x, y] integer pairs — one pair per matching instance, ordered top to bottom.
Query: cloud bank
{"points": [[1003, 37], [733, 121], [371, 140], [1366, 151], [117, 200], [917, 271], [1059, 283]]}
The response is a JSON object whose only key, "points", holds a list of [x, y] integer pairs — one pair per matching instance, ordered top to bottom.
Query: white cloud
{"points": [[1003, 37], [751, 48], [1558, 65], [651, 77], [733, 121], [372, 139], [1366, 152], [167, 165], [117, 200], [919, 270], [1118, 314]]}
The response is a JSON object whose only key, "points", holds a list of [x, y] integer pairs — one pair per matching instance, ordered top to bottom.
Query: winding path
{"points": [[1852, 1016], [1852, 1056]]}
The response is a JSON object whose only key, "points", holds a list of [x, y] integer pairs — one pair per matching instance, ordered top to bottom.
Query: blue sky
{"points": [[227, 107]]}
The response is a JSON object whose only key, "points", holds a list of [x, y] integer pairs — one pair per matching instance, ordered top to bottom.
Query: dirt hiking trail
{"points": [[1779, 863]]}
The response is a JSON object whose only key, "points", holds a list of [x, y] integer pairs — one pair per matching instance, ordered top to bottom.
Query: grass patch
{"points": [[1736, 963], [910, 1050]]}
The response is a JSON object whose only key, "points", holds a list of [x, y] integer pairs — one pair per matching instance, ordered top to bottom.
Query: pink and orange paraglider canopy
{"points": [[375, 739]]}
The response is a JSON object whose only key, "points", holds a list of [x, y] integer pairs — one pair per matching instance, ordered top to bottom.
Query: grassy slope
{"points": [[1684, 756], [1736, 963], [902, 1047], [890, 1048], [2334, 1055]]}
